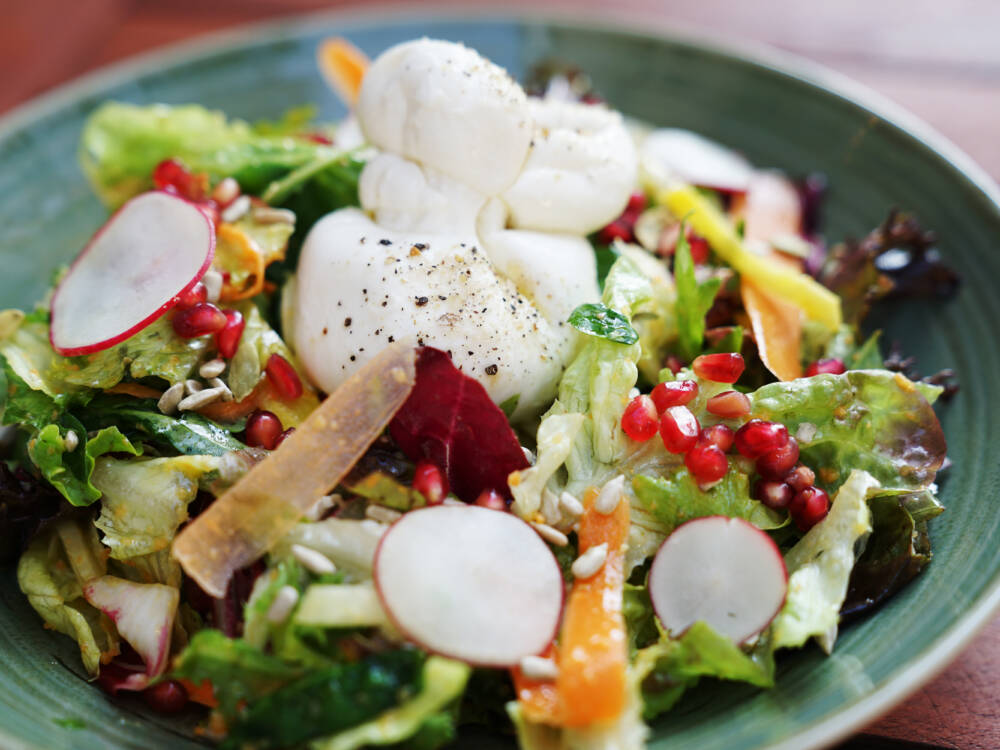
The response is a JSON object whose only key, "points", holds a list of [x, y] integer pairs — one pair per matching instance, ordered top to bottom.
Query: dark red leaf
{"points": [[449, 419]]}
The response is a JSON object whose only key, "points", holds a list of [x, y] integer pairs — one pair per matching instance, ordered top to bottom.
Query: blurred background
{"points": [[941, 60]]}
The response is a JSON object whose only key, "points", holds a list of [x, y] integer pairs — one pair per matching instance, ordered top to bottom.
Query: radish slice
{"points": [[681, 154], [153, 249], [723, 571], [470, 583], [142, 612]]}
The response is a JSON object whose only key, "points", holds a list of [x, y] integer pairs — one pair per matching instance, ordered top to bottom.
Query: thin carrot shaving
{"points": [[343, 66], [241, 261], [134, 389], [202, 693], [539, 699]]}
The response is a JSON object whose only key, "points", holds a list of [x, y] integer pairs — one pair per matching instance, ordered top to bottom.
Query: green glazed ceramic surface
{"points": [[794, 121]]}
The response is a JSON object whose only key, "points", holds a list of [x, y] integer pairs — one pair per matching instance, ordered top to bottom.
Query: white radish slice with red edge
{"points": [[680, 154], [153, 249], [723, 571], [470, 583], [142, 612]]}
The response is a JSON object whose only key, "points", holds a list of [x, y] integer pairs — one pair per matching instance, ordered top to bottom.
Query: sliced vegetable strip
{"points": [[343, 66], [818, 302], [257, 511], [593, 651], [539, 699]]}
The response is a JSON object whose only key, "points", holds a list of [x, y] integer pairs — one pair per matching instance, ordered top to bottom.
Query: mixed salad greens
{"points": [[720, 465]]}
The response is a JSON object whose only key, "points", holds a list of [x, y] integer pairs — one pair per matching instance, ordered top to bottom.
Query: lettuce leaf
{"points": [[694, 299], [258, 342], [873, 420], [70, 471], [676, 499], [144, 500], [819, 567], [51, 574], [239, 672], [442, 682], [329, 700]]}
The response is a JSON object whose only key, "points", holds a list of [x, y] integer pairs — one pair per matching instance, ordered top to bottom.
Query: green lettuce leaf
{"points": [[122, 143], [694, 300], [595, 319], [654, 319], [258, 342], [155, 351], [24, 405], [141, 420], [873, 420], [71, 472], [676, 499], [144, 500], [897, 551], [819, 567], [52, 572], [671, 666], [239, 672], [442, 682], [330, 700]]}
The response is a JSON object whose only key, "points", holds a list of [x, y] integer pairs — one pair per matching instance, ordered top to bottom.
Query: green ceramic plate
{"points": [[778, 112]]}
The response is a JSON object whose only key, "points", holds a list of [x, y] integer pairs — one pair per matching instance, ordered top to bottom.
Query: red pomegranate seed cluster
{"points": [[173, 177], [623, 228], [200, 319], [228, 339], [283, 377], [430, 482], [784, 483]]}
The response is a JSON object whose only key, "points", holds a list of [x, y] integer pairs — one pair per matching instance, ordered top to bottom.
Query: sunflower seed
{"points": [[226, 191], [236, 210], [268, 215], [213, 285], [213, 368], [193, 386], [227, 395], [171, 398], [200, 399], [70, 441], [610, 495], [570, 505], [382, 514], [549, 534], [313, 561], [590, 561], [282, 605], [538, 668]]}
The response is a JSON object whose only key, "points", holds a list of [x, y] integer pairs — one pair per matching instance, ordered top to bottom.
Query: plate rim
{"points": [[824, 731]]}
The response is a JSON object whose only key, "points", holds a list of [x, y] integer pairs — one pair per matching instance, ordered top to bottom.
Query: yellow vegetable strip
{"points": [[343, 66], [818, 302], [249, 518]]}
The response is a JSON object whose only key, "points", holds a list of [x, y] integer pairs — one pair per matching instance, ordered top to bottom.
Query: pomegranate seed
{"points": [[319, 138], [174, 177], [636, 204], [616, 230], [699, 248], [194, 295], [201, 319], [228, 339], [674, 364], [832, 366], [719, 368], [283, 377], [676, 393], [729, 405], [640, 420], [679, 429], [263, 430], [718, 434], [282, 436], [757, 437], [706, 462], [776, 464], [800, 477], [430, 482], [775, 495], [491, 499], [809, 507], [167, 697]]}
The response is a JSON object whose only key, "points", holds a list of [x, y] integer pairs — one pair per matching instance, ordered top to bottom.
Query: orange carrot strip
{"points": [[343, 66], [592, 650], [202, 693], [539, 699]]}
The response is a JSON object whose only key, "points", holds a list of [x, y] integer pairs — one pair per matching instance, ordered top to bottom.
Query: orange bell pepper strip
{"points": [[343, 66], [592, 653]]}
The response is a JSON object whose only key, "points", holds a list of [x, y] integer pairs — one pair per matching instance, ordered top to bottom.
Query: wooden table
{"points": [[939, 59]]}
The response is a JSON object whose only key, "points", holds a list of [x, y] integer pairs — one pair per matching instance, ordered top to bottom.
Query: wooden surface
{"points": [[941, 60]]}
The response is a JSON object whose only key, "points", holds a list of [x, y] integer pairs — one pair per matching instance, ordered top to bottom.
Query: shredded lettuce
{"points": [[694, 299], [349, 543], [819, 567], [51, 574]]}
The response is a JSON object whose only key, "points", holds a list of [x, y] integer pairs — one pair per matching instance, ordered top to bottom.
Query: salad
{"points": [[479, 407]]}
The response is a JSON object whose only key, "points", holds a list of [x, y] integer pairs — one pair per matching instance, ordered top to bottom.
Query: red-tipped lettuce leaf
{"points": [[449, 419]]}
